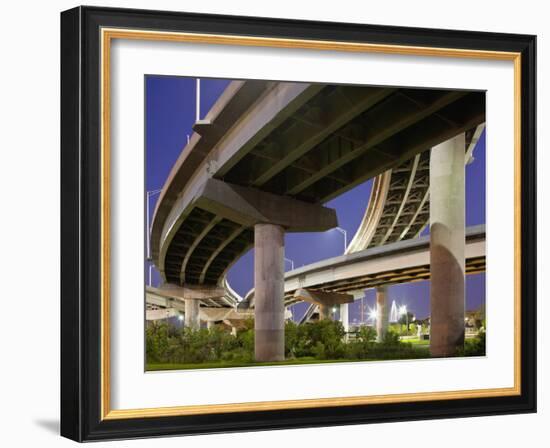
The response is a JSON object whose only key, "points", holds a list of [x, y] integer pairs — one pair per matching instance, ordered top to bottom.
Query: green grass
{"points": [[419, 342], [221, 364]]}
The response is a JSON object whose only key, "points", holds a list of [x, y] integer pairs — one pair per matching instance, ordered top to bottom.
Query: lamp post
{"points": [[198, 99], [149, 195], [343, 232], [291, 263]]}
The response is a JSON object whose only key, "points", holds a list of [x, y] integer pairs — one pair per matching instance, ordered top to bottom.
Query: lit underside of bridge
{"points": [[269, 154]]}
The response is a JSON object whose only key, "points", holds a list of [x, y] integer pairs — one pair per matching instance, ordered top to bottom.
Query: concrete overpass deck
{"points": [[306, 142], [401, 262]]}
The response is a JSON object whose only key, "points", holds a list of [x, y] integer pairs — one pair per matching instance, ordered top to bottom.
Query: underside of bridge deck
{"points": [[325, 141]]}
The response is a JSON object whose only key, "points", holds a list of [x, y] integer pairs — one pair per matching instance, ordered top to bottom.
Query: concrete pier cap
{"points": [[251, 206], [191, 291], [191, 296], [326, 300]]}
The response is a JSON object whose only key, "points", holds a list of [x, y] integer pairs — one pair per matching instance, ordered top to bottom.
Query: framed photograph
{"points": [[277, 224]]}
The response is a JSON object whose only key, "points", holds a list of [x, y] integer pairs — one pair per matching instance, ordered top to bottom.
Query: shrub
{"points": [[322, 339], [390, 339], [319, 340], [156, 342], [166, 345], [362, 345], [474, 346]]}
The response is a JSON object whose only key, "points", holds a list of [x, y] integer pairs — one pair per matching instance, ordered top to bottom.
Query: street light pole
{"points": [[198, 99], [149, 194], [343, 232], [291, 263]]}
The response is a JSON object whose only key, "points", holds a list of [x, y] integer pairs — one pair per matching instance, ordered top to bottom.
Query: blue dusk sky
{"points": [[169, 117]]}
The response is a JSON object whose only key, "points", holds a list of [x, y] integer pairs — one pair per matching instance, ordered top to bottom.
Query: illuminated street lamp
{"points": [[373, 314]]}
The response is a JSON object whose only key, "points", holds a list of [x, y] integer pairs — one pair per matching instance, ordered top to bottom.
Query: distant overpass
{"points": [[399, 206], [400, 262], [162, 303]]}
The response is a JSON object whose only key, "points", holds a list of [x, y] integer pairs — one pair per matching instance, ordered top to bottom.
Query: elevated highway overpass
{"points": [[310, 142], [265, 159], [399, 206], [400, 262]]}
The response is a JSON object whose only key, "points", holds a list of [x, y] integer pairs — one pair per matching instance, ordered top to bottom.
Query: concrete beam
{"points": [[400, 120], [363, 169], [250, 206], [394, 263], [192, 292], [154, 297], [322, 298], [161, 314], [213, 314], [220, 314]]}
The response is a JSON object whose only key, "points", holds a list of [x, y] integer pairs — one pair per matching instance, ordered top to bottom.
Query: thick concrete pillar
{"points": [[447, 246], [324, 312], [382, 312], [192, 314], [344, 316], [344, 319], [269, 320]]}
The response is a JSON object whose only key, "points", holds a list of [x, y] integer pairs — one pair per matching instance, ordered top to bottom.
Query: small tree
{"points": [[156, 342]]}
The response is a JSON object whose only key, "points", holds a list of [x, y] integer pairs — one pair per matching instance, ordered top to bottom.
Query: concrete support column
{"points": [[447, 246], [324, 312], [382, 312], [192, 314], [344, 316], [344, 319], [269, 321]]}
